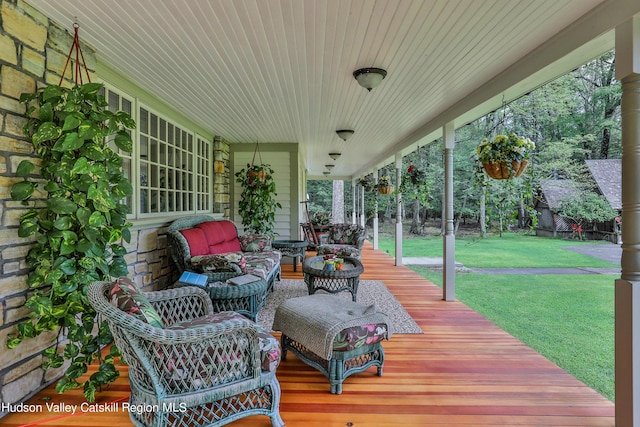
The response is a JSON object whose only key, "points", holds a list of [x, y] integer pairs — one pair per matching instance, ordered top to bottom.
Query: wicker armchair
{"points": [[344, 240], [196, 374]]}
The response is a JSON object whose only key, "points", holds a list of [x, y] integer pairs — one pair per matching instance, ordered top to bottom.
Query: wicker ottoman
{"points": [[336, 336]]}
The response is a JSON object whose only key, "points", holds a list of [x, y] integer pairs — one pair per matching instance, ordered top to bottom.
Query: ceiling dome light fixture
{"points": [[369, 78], [345, 134], [334, 156], [329, 166], [326, 173]]}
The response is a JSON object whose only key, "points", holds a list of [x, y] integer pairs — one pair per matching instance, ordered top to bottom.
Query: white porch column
{"points": [[354, 185], [375, 209], [398, 210], [363, 212], [449, 239], [627, 288]]}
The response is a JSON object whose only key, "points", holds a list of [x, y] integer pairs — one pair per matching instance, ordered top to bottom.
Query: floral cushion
{"points": [[345, 234], [254, 242], [339, 250], [230, 261], [262, 263], [126, 296], [358, 336], [269, 346]]}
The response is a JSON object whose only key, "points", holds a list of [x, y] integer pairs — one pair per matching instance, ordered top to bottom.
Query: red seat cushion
{"points": [[212, 237], [196, 240]]}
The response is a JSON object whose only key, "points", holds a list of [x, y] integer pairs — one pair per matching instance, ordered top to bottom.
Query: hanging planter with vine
{"points": [[506, 156], [367, 183], [384, 185], [257, 206], [78, 229]]}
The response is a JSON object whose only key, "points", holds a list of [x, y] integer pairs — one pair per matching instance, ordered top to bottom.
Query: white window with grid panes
{"points": [[116, 101], [170, 167], [174, 167]]}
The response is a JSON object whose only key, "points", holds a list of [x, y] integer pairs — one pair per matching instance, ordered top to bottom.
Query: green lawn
{"points": [[511, 250], [567, 318]]}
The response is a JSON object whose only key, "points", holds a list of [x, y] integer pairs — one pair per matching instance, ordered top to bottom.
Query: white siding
{"points": [[281, 164]]}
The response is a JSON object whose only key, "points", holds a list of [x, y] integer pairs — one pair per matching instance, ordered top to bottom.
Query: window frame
{"points": [[194, 150]]}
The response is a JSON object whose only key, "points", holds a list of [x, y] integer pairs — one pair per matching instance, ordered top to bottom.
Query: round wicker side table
{"points": [[292, 248], [317, 277]]}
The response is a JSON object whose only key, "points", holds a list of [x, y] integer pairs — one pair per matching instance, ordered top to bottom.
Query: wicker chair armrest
{"points": [[360, 242], [179, 249], [180, 304]]}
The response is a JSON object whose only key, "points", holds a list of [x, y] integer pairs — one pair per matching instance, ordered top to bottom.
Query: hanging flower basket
{"points": [[505, 156], [502, 170], [257, 173], [256, 177], [367, 183], [384, 185], [385, 189]]}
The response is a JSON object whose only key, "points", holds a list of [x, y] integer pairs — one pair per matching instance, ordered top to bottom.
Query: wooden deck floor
{"points": [[463, 371]]}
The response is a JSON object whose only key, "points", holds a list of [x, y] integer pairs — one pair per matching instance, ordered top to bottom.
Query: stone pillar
{"points": [[221, 177], [398, 210], [449, 239], [627, 288]]}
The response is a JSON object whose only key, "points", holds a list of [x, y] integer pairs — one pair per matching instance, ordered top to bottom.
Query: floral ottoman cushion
{"points": [[358, 336]]}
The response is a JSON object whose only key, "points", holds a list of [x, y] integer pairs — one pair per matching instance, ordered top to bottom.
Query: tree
{"points": [[600, 95], [562, 160], [587, 208]]}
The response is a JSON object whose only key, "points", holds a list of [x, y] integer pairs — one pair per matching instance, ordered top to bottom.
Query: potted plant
{"points": [[505, 156], [256, 175], [415, 175], [367, 183], [415, 184], [384, 185], [257, 206], [78, 229]]}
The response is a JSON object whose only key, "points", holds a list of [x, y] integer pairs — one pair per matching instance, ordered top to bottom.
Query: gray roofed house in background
{"points": [[607, 174], [555, 190]]}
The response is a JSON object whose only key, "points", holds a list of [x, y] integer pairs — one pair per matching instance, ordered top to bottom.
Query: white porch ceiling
{"points": [[281, 70]]}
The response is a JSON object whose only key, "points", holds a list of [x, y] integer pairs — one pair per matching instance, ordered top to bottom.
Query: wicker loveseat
{"points": [[343, 240], [212, 247], [187, 364]]}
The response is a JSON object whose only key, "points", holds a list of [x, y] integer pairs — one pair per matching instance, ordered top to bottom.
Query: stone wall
{"points": [[33, 53], [23, 68], [221, 180]]}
